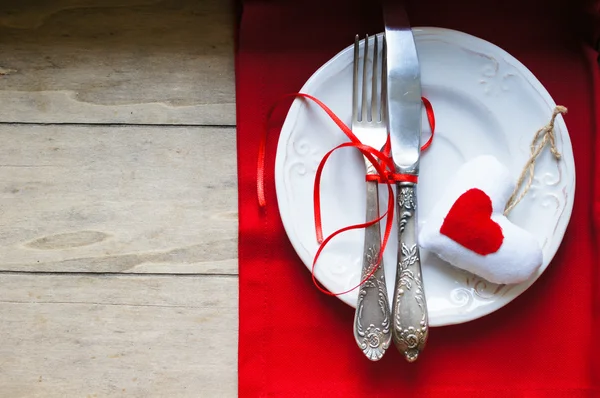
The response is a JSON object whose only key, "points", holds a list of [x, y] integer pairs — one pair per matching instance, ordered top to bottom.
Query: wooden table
{"points": [[118, 199]]}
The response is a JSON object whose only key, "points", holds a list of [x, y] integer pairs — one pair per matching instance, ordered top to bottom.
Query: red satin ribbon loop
{"points": [[381, 161]]}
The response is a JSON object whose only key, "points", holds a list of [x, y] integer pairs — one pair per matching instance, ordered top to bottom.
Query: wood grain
{"points": [[117, 61], [104, 179], [118, 199], [118, 336]]}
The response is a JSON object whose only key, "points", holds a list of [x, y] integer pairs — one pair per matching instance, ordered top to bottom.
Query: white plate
{"points": [[485, 102]]}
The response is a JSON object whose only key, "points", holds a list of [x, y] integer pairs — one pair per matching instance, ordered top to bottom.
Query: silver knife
{"points": [[410, 324]]}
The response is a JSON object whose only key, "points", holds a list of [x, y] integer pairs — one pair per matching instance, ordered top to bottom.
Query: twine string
{"points": [[542, 137]]}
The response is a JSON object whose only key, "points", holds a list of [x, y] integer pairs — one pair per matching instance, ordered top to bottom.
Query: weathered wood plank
{"points": [[117, 61], [118, 199], [118, 336]]}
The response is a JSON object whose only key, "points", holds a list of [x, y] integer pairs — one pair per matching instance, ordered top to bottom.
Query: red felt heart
{"points": [[468, 223]]}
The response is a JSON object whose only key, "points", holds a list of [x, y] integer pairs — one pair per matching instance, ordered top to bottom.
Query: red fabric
{"points": [[469, 223], [297, 342]]}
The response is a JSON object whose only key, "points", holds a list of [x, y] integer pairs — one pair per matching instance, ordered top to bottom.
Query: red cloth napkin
{"points": [[297, 342]]}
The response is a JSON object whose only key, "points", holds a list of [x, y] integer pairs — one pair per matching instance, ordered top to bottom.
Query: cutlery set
{"points": [[391, 105]]}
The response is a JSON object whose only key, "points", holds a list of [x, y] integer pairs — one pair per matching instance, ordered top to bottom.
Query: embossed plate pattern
{"points": [[486, 102]]}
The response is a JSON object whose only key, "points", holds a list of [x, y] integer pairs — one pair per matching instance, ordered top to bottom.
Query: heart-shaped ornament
{"points": [[469, 223], [467, 227]]}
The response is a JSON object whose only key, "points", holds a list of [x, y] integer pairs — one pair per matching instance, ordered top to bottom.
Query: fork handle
{"points": [[409, 310], [372, 317]]}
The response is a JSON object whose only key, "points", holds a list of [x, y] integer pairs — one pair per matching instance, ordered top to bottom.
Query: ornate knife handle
{"points": [[409, 311], [372, 317]]}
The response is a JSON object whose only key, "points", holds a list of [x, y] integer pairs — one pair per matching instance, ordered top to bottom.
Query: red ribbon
{"points": [[381, 161]]}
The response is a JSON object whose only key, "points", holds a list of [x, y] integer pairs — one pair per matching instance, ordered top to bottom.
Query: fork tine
{"points": [[374, 79], [355, 80], [364, 106]]}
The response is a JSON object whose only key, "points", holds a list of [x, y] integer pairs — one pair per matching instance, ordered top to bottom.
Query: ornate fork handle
{"points": [[372, 317], [410, 321]]}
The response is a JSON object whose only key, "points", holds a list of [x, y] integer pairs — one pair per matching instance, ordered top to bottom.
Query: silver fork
{"points": [[372, 317]]}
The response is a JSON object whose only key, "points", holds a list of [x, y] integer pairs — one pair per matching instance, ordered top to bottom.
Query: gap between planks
{"points": [[82, 124], [120, 274]]}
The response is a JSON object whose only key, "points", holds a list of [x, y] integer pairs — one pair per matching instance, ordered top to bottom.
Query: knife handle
{"points": [[372, 316], [410, 327]]}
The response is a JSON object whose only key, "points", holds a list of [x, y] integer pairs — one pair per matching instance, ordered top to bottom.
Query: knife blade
{"points": [[410, 325]]}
